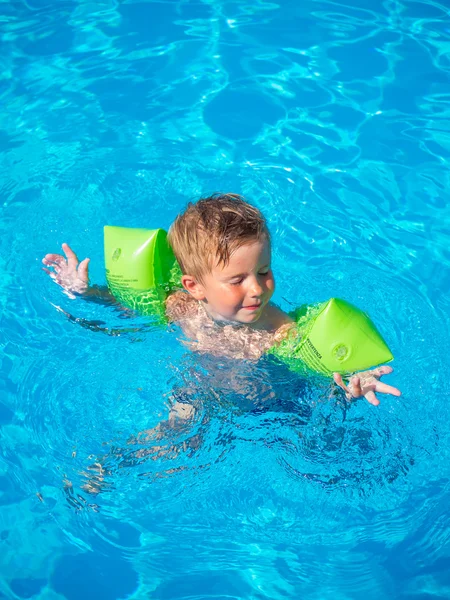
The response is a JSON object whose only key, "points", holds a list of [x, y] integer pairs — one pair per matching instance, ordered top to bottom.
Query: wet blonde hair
{"points": [[207, 233]]}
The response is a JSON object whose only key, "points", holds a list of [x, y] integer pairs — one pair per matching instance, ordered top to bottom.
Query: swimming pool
{"points": [[333, 118]]}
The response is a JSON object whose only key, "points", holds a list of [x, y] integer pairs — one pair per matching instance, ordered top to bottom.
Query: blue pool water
{"points": [[333, 117]]}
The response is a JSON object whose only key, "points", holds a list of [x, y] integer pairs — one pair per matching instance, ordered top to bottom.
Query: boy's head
{"points": [[207, 233], [223, 247]]}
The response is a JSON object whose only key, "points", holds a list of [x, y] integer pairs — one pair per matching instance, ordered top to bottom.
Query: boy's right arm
{"points": [[73, 276]]}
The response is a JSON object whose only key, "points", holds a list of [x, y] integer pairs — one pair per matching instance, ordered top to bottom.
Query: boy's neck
{"points": [[264, 323]]}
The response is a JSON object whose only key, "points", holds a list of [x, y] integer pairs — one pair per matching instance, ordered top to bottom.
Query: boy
{"points": [[223, 247]]}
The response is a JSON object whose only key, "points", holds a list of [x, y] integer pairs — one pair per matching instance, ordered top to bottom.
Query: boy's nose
{"points": [[256, 288]]}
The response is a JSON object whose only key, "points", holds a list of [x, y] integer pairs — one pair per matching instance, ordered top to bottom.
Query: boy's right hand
{"points": [[68, 272]]}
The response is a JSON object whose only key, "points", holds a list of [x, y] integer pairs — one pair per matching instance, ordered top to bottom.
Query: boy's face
{"points": [[240, 290]]}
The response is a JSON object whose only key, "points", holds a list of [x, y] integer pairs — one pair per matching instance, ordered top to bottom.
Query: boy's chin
{"points": [[252, 317]]}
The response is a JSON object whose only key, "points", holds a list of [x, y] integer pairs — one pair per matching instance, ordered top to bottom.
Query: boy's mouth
{"points": [[252, 307]]}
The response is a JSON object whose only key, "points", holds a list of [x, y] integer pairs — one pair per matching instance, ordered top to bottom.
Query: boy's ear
{"points": [[192, 286]]}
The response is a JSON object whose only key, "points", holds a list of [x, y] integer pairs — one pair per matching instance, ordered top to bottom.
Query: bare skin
{"points": [[71, 274], [245, 332], [227, 339], [366, 384]]}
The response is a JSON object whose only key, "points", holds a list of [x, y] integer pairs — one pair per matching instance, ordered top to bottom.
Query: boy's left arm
{"points": [[366, 384]]}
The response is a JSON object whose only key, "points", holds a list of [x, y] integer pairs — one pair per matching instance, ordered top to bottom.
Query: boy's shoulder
{"points": [[180, 306], [277, 318]]}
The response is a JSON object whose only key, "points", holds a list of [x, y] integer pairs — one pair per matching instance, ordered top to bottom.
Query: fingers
{"points": [[54, 259], [72, 259], [83, 270], [65, 271], [384, 370], [340, 382], [371, 384], [356, 387], [384, 388], [354, 390], [371, 398]]}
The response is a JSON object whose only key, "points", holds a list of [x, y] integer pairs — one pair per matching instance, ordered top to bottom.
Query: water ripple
{"points": [[333, 119]]}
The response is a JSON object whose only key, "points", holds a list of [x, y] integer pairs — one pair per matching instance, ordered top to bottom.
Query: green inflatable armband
{"points": [[141, 269], [333, 337]]}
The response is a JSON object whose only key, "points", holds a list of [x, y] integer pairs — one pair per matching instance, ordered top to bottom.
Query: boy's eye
{"points": [[265, 272], [237, 281]]}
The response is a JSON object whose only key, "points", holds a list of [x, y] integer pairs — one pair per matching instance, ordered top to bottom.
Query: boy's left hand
{"points": [[366, 384]]}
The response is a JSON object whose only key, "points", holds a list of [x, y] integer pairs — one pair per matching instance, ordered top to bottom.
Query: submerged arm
{"points": [[99, 294]]}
